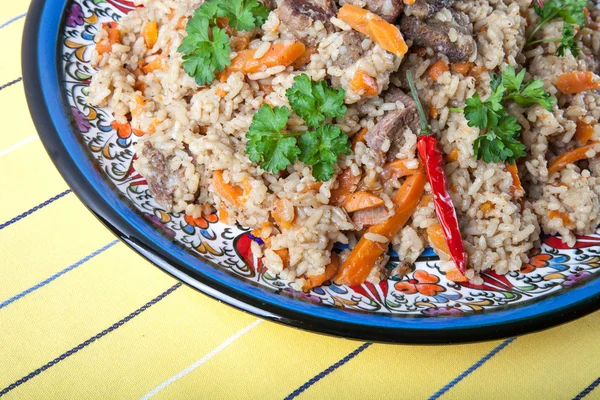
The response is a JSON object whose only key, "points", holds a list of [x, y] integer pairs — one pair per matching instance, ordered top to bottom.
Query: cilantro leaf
{"points": [[244, 15], [567, 41], [203, 55], [511, 81], [534, 93], [315, 101], [480, 113], [500, 143], [267, 145], [321, 149]]}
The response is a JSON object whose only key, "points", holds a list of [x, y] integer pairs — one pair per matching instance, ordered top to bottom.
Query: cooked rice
{"points": [[193, 131]]}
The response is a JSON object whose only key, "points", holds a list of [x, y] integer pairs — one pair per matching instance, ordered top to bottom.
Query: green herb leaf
{"points": [[209, 10], [244, 15], [568, 42], [204, 55], [511, 81], [534, 93], [315, 101], [500, 143], [267, 145], [321, 149]]}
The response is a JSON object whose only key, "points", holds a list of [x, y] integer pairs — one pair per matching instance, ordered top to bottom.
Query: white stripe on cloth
{"points": [[17, 145], [203, 360]]}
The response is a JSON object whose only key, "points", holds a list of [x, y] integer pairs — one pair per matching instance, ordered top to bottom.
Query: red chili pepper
{"points": [[432, 156]]}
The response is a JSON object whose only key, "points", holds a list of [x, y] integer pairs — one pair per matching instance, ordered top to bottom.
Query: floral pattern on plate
{"points": [[424, 292]]}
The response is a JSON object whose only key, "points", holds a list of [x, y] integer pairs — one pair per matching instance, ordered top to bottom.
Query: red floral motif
{"points": [[203, 221], [537, 259], [422, 282]]}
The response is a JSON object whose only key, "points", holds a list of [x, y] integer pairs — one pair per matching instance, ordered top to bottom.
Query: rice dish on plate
{"points": [[296, 119]]}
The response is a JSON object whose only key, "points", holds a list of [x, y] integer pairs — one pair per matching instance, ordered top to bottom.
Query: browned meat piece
{"points": [[386, 9], [423, 9], [299, 17], [436, 35], [351, 51], [393, 125], [159, 176]]}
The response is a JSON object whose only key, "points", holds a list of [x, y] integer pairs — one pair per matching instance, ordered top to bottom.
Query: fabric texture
{"points": [[83, 316]]}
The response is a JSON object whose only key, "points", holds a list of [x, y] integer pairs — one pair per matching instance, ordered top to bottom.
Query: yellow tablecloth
{"points": [[84, 317]]}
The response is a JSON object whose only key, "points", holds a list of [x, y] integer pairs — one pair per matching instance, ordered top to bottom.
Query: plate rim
{"points": [[42, 81]]}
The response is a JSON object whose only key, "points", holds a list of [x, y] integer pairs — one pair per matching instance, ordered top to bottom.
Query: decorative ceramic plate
{"points": [[558, 284]]}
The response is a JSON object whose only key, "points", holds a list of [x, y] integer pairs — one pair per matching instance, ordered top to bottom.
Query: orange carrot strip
{"points": [[409, 2], [150, 34], [386, 35], [114, 36], [278, 54], [305, 57], [157, 64], [462, 67], [437, 69], [576, 82], [364, 84], [584, 132], [359, 137], [453, 155], [570, 157], [400, 168], [347, 184], [313, 186], [516, 188], [230, 193], [358, 201], [277, 214], [565, 218], [439, 244], [355, 270], [317, 280]]}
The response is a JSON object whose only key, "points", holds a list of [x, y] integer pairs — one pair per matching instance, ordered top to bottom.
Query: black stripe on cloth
{"points": [[11, 83], [34, 209], [91, 340], [327, 371], [587, 390]]}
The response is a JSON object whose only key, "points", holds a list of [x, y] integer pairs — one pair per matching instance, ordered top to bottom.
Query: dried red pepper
{"points": [[433, 158]]}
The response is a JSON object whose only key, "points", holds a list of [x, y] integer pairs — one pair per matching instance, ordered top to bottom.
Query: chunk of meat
{"points": [[386, 9], [423, 9], [299, 17], [435, 34], [351, 50], [392, 127], [158, 177]]}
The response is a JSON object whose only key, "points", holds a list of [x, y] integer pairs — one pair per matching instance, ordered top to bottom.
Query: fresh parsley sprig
{"points": [[571, 12], [206, 48], [315, 101], [499, 138], [274, 149]]}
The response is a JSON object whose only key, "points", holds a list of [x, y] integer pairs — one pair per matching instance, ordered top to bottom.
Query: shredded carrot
{"points": [[409, 2], [150, 34], [386, 35], [114, 37], [278, 54], [305, 57], [157, 64], [462, 67], [437, 69], [477, 70], [576, 82], [364, 84], [220, 92], [433, 111], [584, 132], [359, 137], [453, 155], [572, 156], [401, 168], [347, 183], [313, 186], [516, 188], [230, 193], [425, 200], [358, 201], [486, 207], [223, 214], [553, 214], [278, 215], [370, 217], [264, 231], [437, 239], [284, 254], [360, 262], [313, 281]]}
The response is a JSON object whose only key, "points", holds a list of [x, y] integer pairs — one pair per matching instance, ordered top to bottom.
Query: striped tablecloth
{"points": [[84, 317]]}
